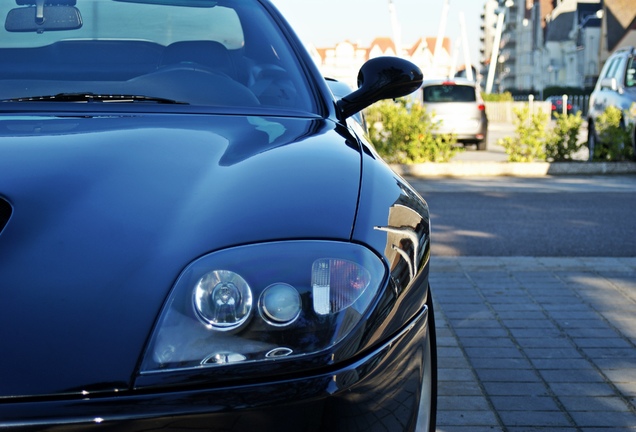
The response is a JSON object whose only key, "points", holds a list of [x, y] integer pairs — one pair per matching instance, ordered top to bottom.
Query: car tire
{"points": [[591, 140], [482, 145], [428, 397]]}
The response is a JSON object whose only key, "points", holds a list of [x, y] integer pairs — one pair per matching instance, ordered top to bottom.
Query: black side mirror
{"points": [[381, 78]]}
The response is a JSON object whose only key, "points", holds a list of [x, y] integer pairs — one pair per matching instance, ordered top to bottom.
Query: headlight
{"points": [[223, 300], [264, 302], [280, 304]]}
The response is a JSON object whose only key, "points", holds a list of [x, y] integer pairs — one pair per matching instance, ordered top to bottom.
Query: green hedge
{"points": [[497, 97], [403, 132], [535, 141], [615, 143]]}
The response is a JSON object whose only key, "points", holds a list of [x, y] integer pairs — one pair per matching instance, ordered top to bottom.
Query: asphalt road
{"points": [[546, 217]]}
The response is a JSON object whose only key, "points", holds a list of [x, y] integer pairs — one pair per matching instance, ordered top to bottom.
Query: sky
{"points": [[324, 23]]}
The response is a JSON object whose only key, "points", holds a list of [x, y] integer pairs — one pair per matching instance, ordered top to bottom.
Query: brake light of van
{"points": [[448, 83], [481, 107]]}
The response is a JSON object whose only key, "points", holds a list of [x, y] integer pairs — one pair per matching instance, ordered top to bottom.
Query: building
{"points": [[536, 14], [618, 26], [487, 28], [587, 35], [487, 36], [544, 43], [547, 43], [572, 44], [343, 61], [508, 61]]}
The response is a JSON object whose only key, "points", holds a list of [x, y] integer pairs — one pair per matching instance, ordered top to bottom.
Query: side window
{"points": [[611, 69], [618, 71], [630, 73]]}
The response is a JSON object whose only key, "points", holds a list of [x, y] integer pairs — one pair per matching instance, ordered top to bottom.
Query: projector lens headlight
{"points": [[309, 295], [223, 300], [280, 304]]}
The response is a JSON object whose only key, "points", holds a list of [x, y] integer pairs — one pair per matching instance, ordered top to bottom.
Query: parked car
{"points": [[616, 86], [556, 105], [458, 108], [194, 236]]}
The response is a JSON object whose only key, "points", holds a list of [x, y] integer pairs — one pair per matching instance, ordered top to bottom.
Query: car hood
{"points": [[108, 211]]}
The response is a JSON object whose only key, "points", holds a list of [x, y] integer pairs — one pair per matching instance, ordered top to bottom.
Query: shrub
{"points": [[497, 97], [404, 133], [530, 140], [614, 140], [534, 141], [562, 141]]}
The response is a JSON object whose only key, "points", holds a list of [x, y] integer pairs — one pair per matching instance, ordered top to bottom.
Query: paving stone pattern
{"points": [[535, 344]]}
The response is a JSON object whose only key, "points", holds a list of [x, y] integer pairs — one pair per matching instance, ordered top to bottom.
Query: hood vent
{"points": [[5, 213]]}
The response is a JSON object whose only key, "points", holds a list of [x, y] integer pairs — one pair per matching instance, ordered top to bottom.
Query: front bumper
{"points": [[377, 391]]}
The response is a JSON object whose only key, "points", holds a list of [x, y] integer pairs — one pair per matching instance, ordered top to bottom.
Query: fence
{"points": [[579, 103], [504, 111]]}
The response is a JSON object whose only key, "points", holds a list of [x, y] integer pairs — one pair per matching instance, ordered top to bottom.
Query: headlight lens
{"points": [[223, 300], [264, 302], [280, 304]]}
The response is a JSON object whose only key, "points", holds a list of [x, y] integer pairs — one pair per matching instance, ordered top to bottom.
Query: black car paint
{"points": [[61, 147], [139, 200], [119, 320], [336, 400]]}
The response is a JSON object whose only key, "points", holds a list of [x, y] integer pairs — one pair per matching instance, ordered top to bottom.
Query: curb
{"points": [[513, 169]]}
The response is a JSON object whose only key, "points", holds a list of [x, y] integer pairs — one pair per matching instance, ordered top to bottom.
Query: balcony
{"points": [[508, 40], [510, 44], [508, 56]]}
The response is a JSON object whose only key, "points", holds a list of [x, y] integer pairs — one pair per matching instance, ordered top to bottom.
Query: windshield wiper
{"points": [[87, 97]]}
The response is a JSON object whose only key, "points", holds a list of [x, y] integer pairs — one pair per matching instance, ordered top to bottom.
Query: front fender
{"points": [[393, 219]]}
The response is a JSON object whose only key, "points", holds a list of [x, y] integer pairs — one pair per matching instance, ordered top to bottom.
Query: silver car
{"points": [[616, 86], [458, 108]]}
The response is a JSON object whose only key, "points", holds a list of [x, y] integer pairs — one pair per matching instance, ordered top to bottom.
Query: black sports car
{"points": [[194, 232]]}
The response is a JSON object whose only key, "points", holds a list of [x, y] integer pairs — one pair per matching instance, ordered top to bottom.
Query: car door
{"points": [[617, 84], [606, 88]]}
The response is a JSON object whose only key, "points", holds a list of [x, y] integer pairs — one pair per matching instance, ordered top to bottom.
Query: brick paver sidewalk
{"points": [[536, 344]]}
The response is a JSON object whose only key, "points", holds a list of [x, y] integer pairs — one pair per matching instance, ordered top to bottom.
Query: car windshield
{"points": [[182, 52], [449, 93]]}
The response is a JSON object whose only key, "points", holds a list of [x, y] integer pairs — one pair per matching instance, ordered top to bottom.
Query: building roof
{"points": [[620, 16], [559, 28], [429, 42], [384, 43]]}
